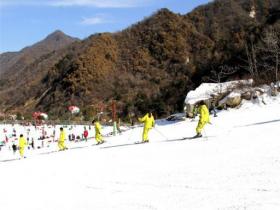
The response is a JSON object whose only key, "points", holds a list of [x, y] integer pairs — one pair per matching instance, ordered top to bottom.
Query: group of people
{"points": [[148, 121]]}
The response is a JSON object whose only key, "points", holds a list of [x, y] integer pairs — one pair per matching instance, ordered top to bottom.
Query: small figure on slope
{"points": [[203, 118], [149, 122], [85, 134], [98, 135], [61, 140], [22, 145], [14, 147]]}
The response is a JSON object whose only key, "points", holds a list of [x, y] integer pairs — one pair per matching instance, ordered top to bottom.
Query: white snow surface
{"points": [[236, 166]]}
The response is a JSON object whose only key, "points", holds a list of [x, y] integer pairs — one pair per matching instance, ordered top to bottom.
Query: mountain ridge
{"points": [[29, 54], [151, 64]]}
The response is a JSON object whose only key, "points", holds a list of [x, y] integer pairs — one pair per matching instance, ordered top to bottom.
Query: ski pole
{"points": [[204, 132], [161, 134]]}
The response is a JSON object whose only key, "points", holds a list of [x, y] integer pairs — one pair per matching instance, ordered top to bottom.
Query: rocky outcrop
{"points": [[230, 94], [217, 95]]}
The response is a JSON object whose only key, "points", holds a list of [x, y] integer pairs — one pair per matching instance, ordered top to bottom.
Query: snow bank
{"points": [[208, 90]]}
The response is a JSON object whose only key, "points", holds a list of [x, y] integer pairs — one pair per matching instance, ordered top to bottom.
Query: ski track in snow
{"points": [[236, 167]]}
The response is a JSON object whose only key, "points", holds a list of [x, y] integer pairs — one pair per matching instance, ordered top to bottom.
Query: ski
{"points": [[193, 137], [188, 138], [141, 142], [99, 143], [9, 160]]}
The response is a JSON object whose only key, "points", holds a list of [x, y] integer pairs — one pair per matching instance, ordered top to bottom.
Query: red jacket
{"points": [[85, 133]]}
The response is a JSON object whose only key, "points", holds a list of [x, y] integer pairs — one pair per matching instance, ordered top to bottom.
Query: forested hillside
{"points": [[154, 63]]}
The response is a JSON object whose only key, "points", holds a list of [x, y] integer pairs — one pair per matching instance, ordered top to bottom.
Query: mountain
{"points": [[5, 59], [15, 61], [150, 65], [22, 71]]}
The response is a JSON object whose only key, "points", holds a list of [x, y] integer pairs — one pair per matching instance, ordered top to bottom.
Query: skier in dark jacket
{"points": [[14, 147]]}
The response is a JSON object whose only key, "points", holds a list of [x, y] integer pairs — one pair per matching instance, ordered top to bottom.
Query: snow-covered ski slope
{"points": [[236, 167]]}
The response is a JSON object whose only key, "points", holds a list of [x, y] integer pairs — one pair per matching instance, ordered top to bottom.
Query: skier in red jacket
{"points": [[85, 134]]}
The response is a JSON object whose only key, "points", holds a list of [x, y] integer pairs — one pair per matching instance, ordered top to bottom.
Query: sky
{"points": [[25, 22]]}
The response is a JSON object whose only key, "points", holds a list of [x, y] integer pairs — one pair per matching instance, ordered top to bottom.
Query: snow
{"points": [[252, 13], [208, 90], [234, 94], [236, 166]]}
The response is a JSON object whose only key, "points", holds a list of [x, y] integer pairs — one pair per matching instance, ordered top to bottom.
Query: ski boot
{"points": [[198, 135]]}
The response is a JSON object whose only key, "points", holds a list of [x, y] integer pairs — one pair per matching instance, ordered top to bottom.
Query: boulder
{"points": [[257, 92], [274, 92], [246, 95], [231, 100], [234, 101], [189, 110], [176, 117]]}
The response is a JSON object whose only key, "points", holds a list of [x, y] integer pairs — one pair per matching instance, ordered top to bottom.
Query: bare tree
{"points": [[271, 53], [263, 59], [252, 63], [223, 72]]}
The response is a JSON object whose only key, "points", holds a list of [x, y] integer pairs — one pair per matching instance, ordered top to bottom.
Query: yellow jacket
{"points": [[203, 114], [149, 122], [97, 127], [62, 136], [22, 142]]}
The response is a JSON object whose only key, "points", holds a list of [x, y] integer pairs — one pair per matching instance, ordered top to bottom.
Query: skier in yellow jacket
{"points": [[203, 118], [149, 122], [98, 135], [61, 140], [22, 144]]}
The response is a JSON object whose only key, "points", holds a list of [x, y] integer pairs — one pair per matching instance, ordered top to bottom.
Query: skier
{"points": [[214, 109], [203, 118], [149, 122], [85, 134], [98, 135], [6, 139], [61, 141], [22, 144], [32, 144], [14, 147]]}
